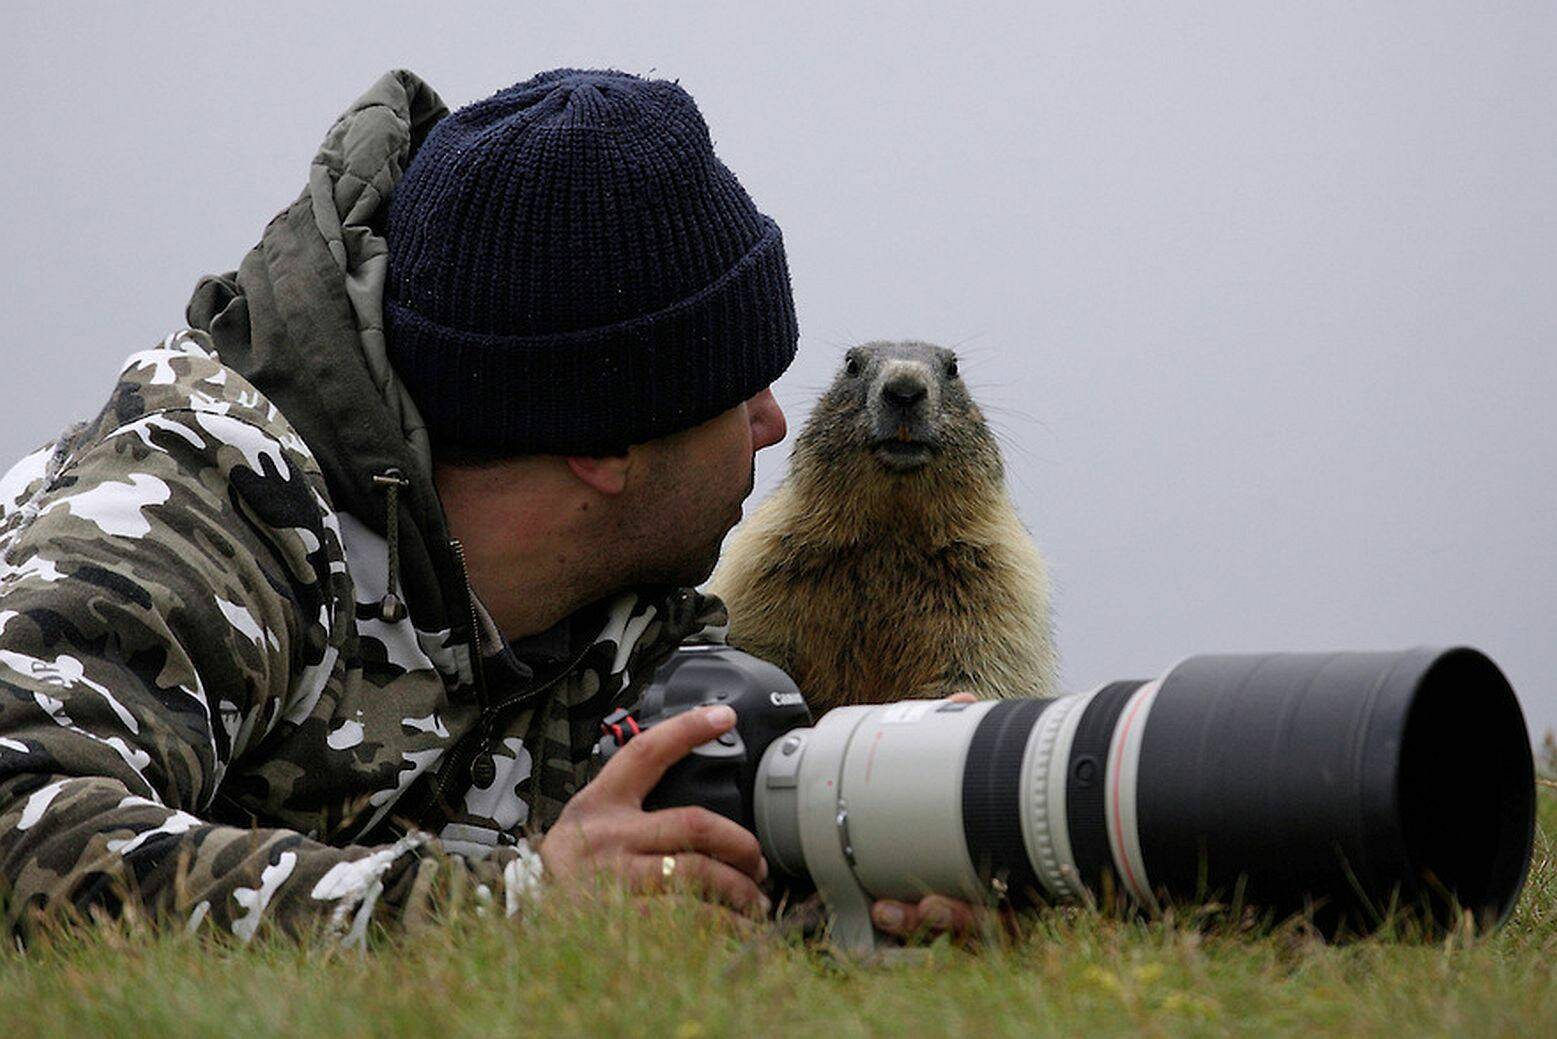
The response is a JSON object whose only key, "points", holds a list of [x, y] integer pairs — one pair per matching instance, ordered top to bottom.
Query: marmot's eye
{"points": [[852, 367], [951, 369]]}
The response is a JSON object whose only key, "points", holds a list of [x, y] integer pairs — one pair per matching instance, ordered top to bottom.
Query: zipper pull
{"points": [[483, 769]]}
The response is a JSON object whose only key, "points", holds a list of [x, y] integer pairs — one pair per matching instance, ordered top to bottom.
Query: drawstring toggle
{"points": [[391, 608]]}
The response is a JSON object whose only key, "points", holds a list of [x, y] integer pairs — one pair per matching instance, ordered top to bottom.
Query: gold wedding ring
{"points": [[667, 865]]}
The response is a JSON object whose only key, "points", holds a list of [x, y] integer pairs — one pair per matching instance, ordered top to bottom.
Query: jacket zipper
{"points": [[475, 625], [478, 671], [467, 750], [461, 763]]}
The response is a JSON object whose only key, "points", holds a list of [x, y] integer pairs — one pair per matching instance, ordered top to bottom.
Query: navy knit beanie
{"points": [[572, 270]]}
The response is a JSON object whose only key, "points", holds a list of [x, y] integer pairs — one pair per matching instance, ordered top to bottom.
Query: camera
{"points": [[1348, 786]]}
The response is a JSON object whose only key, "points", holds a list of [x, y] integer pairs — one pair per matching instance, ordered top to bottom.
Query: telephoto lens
{"points": [[1352, 787]]}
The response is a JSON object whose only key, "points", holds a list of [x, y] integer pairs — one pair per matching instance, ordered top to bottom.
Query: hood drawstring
{"points": [[391, 608]]}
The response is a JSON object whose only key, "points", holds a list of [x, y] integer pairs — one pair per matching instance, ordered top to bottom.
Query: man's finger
{"points": [[633, 771], [698, 829], [708, 878], [932, 913]]}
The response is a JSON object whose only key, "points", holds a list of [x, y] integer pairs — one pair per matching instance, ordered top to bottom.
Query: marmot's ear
{"points": [[606, 475]]}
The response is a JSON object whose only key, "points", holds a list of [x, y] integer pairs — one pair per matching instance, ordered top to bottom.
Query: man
{"points": [[317, 618]]}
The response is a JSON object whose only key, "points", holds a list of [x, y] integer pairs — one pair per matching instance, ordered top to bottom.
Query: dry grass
{"points": [[674, 968]]}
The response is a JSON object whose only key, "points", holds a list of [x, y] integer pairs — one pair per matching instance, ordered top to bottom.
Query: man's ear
{"points": [[606, 475]]}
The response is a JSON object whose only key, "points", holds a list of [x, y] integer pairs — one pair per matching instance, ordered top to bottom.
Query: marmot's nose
{"points": [[903, 391]]}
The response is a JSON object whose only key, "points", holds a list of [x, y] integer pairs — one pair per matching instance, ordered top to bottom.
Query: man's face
{"points": [[691, 491]]}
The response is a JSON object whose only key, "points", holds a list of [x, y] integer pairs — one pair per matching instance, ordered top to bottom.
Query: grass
{"points": [[671, 967]]}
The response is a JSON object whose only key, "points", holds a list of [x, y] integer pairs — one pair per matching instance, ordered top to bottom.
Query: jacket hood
{"points": [[302, 319]]}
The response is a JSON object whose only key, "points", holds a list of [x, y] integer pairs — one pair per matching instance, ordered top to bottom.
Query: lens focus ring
{"points": [[1043, 775], [992, 798]]}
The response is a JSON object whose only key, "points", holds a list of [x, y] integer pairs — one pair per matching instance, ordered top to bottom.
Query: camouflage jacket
{"points": [[212, 702]]}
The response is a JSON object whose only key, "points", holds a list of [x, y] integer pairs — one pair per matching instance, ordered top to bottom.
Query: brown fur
{"points": [[868, 584]]}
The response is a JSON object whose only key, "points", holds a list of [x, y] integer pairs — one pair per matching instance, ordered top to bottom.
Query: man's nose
{"points": [[767, 420]]}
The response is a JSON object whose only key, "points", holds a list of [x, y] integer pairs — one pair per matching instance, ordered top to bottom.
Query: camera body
{"points": [[720, 775]]}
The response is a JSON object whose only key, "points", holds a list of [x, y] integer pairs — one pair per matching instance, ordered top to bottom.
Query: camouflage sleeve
{"points": [[163, 603]]}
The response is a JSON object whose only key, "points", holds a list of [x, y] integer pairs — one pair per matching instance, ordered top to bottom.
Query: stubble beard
{"points": [[655, 543]]}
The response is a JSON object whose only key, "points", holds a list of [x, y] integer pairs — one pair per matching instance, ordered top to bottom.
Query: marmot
{"points": [[890, 562]]}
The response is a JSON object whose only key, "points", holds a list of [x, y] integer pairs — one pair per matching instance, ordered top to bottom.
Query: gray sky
{"points": [[1259, 295]]}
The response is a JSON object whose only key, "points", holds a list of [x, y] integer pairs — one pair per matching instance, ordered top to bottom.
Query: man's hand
{"points": [[605, 829], [931, 914]]}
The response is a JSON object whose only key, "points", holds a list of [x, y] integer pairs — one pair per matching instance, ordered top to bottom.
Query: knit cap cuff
{"points": [[597, 390]]}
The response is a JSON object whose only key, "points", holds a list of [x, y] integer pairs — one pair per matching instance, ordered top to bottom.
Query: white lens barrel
{"points": [[902, 783], [872, 802]]}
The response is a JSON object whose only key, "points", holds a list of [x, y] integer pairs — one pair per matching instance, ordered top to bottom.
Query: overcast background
{"points": [[1260, 295]]}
